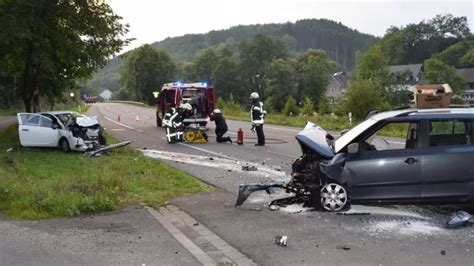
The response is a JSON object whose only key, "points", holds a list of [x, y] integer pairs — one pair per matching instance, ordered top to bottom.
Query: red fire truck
{"points": [[200, 95]]}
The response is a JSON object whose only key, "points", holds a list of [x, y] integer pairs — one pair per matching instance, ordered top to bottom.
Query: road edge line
{"points": [[192, 248]]}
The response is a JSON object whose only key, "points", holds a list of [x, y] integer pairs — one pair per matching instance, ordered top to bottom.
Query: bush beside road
{"points": [[46, 183]]}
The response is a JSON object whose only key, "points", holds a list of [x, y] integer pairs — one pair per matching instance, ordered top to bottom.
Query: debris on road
{"points": [[105, 149], [223, 163], [249, 168], [273, 207], [458, 219], [281, 240], [343, 247], [443, 252]]}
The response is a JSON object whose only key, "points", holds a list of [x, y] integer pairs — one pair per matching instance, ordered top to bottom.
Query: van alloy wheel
{"points": [[333, 197]]}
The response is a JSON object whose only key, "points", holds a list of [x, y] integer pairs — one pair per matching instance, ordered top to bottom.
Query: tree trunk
{"points": [[30, 93]]}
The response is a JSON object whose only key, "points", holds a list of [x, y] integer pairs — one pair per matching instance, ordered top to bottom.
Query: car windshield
{"points": [[67, 118], [347, 137]]}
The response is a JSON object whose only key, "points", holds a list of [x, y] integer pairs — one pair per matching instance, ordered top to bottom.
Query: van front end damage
{"points": [[315, 176]]}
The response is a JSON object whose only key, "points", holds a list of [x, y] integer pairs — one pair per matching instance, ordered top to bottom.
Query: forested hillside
{"points": [[340, 43]]}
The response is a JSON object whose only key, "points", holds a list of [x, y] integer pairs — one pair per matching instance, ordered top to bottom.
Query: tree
{"points": [[415, 43], [47, 44], [457, 54], [255, 58], [467, 60], [204, 64], [373, 65], [145, 70], [314, 70], [436, 72], [225, 76], [281, 82], [362, 96]]}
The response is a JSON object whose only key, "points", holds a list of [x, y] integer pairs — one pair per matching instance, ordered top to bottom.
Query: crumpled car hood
{"points": [[87, 121], [314, 137]]}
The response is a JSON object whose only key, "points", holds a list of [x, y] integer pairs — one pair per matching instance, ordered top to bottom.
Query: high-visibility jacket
{"points": [[257, 113], [173, 118]]}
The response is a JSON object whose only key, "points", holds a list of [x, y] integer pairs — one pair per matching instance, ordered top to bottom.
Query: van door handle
{"points": [[25, 129], [411, 160]]}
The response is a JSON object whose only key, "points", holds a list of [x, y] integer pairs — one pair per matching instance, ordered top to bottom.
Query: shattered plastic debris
{"points": [[249, 168], [274, 207], [294, 208], [458, 219], [404, 228], [281, 240]]}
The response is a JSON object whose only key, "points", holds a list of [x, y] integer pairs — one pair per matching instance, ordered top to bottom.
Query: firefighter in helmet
{"points": [[257, 114], [173, 121], [221, 126]]}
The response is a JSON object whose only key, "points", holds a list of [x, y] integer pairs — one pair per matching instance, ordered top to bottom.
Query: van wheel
{"points": [[158, 120], [64, 145], [333, 197]]}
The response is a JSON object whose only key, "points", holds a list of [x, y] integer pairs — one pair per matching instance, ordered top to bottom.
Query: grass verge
{"points": [[328, 122], [38, 183]]}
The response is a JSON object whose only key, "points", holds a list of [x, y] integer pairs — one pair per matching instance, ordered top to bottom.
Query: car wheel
{"points": [[64, 145], [333, 197]]}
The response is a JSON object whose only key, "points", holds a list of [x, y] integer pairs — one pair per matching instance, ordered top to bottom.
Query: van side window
{"points": [[169, 96], [449, 132]]}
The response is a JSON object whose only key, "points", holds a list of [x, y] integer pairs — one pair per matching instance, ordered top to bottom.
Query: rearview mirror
{"points": [[55, 126], [353, 148]]}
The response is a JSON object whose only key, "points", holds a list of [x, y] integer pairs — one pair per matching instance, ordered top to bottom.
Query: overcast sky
{"points": [[155, 20]]}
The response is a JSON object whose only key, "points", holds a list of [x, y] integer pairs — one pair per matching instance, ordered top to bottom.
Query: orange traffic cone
{"points": [[118, 118]]}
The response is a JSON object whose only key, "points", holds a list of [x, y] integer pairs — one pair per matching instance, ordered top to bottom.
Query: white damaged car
{"points": [[63, 129]]}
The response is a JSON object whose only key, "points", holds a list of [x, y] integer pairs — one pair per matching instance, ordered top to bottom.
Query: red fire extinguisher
{"points": [[240, 137]]}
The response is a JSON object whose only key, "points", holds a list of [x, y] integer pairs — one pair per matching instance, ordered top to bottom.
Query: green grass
{"points": [[82, 108], [9, 112], [328, 122], [38, 183]]}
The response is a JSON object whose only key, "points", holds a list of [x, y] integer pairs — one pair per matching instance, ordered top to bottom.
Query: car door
{"points": [[36, 131], [448, 163], [391, 173]]}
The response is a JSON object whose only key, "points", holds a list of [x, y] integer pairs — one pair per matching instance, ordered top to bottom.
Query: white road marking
{"points": [[118, 123], [123, 125], [117, 129], [284, 129], [208, 151], [194, 249]]}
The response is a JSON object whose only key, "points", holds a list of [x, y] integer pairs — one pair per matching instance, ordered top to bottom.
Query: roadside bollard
{"points": [[240, 137]]}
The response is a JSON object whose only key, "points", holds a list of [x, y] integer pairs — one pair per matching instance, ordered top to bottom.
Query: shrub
{"points": [[290, 107], [308, 107]]}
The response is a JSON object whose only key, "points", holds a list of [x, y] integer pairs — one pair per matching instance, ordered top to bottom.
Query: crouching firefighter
{"points": [[257, 113], [173, 121], [221, 126]]}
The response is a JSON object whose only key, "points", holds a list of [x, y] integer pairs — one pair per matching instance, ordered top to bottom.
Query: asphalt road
{"points": [[387, 236]]}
